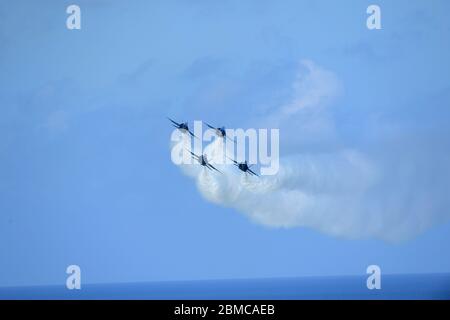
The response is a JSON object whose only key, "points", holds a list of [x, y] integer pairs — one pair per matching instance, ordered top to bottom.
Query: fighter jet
{"points": [[183, 127], [220, 131], [203, 160], [243, 166]]}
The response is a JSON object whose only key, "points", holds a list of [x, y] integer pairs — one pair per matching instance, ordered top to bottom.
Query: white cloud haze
{"points": [[343, 193]]}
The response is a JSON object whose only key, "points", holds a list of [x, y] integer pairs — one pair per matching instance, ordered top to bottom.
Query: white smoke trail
{"points": [[303, 193], [338, 193]]}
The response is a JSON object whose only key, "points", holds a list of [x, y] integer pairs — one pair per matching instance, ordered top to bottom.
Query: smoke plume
{"points": [[341, 192]]}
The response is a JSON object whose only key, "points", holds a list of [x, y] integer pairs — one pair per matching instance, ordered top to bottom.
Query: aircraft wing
{"points": [[174, 122], [210, 126], [192, 134], [230, 139], [193, 154], [234, 161], [212, 167], [251, 172]]}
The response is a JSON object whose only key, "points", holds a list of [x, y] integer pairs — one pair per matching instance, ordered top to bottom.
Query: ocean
{"points": [[422, 286]]}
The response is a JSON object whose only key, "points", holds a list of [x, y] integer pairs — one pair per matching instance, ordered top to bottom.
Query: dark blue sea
{"points": [[429, 286]]}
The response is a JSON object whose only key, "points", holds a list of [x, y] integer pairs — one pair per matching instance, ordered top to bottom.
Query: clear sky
{"points": [[86, 176]]}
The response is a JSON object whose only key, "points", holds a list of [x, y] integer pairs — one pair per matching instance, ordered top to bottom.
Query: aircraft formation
{"points": [[203, 159]]}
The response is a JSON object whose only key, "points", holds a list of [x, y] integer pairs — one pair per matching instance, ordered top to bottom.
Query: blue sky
{"points": [[86, 176]]}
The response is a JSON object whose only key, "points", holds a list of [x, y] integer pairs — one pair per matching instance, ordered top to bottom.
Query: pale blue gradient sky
{"points": [[85, 174]]}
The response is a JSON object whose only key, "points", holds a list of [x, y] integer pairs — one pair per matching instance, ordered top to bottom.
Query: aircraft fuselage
{"points": [[243, 166]]}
